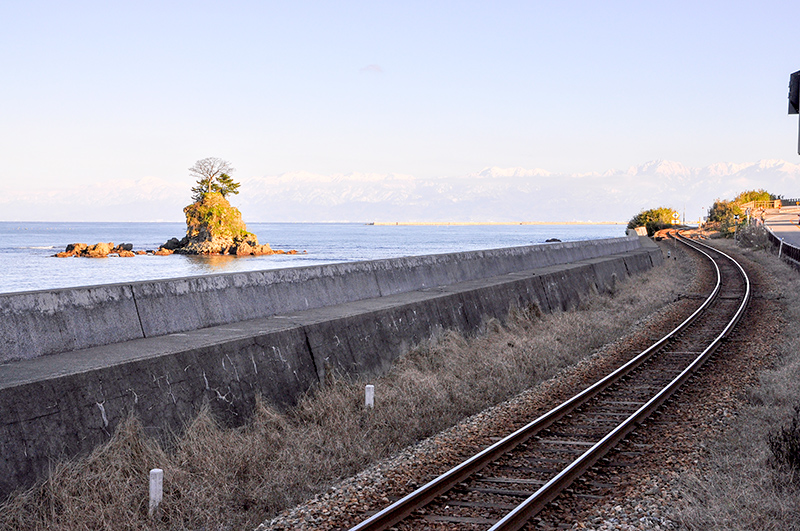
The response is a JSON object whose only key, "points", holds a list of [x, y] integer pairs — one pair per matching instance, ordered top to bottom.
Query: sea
{"points": [[27, 248]]}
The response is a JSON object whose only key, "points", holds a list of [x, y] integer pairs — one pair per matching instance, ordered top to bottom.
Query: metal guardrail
{"points": [[761, 205], [765, 205], [785, 250]]}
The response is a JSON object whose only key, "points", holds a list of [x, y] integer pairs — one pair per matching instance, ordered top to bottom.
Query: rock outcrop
{"points": [[213, 226], [98, 250]]}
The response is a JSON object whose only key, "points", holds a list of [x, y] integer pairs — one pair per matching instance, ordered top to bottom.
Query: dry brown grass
{"points": [[753, 237], [219, 478], [741, 488]]}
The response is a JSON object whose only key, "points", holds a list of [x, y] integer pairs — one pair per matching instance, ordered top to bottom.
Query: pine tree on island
{"points": [[213, 175], [213, 226]]}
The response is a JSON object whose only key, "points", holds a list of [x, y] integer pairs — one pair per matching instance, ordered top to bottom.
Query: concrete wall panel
{"points": [[186, 304], [45, 322]]}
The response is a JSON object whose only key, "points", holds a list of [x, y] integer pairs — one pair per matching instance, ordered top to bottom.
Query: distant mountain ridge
{"points": [[491, 194], [518, 194]]}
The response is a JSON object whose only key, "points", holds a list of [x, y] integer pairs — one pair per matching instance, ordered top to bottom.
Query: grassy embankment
{"points": [[234, 479], [743, 485]]}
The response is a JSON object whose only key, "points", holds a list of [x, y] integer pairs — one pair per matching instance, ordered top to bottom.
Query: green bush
{"points": [[754, 195], [724, 211], [722, 215], [654, 219]]}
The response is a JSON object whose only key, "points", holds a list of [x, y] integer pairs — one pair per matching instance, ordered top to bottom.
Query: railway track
{"points": [[506, 484]]}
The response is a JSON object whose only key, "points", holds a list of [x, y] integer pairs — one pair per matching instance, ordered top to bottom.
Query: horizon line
{"points": [[380, 223], [383, 223]]}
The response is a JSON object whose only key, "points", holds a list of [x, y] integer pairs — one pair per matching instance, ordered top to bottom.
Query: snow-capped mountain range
{"points": [[491, 194]]}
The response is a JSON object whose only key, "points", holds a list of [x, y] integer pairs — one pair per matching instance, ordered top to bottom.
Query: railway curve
{"points": [[506, 484]]}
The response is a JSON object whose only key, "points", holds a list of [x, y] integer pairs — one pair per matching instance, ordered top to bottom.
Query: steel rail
{"points": [[402, 508], [519, 516]]}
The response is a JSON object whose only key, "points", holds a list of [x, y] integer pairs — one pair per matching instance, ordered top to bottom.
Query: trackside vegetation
{"points": [[722, 214], [654, 219], [785, 445], [751, 475]]}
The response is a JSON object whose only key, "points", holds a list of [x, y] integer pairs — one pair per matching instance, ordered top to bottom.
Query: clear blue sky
{"points": [[93, 91]]}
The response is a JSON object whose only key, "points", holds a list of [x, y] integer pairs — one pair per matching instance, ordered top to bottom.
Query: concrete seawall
{"points": [[353, 319], [48, 322]]}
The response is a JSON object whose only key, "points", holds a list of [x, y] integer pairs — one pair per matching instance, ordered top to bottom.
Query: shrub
{"points": [[754, 195], [723, 215], [654, 219], [754, 237], [785, 444]]}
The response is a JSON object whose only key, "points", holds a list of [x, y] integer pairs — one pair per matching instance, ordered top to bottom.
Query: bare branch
{"points": [[213, 175]]}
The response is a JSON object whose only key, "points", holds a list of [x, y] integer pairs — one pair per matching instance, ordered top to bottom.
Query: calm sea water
{"points": [[27, 249]]}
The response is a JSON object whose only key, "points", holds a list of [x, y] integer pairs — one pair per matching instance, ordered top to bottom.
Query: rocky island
{"points": [[213, 226]]}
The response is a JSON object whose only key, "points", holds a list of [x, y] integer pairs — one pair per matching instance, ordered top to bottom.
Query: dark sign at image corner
{"points": [[794, 93], [794, 100]]}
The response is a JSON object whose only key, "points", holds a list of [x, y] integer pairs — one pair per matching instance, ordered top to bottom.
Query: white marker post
{"points": [[780, 249], [369, 396], [156, 489]]}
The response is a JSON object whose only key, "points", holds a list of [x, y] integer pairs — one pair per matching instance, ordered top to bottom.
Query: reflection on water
{"points": [[212, 263]]}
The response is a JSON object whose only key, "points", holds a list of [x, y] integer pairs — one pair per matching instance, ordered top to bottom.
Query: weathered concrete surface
{"points": [[48, 322], [66, 404]]}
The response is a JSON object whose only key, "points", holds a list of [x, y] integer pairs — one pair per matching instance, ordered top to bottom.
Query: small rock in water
{"points": [[98, 250]]}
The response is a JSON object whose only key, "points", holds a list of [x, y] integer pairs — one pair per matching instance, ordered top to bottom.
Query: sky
{"points": [[99, 92]]}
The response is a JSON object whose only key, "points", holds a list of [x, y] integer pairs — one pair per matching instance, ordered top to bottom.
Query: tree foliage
{"points": [[213, 175], [754, 195], [724, 211], [722, 214], [654, 219]]}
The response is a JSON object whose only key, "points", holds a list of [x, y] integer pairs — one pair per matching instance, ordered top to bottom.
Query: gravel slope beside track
{"points": [[528, 469], [381, 484], [648, 491]]}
